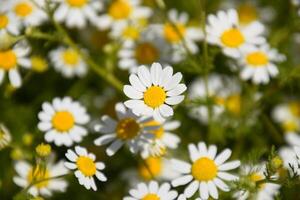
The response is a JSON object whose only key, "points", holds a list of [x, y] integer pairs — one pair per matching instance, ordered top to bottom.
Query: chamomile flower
{"points": [[119, 11], [29, 12], [76, 13], [9, 24], [224, 30], [11, 60], [68, 62], [259, 63], [154, 91], [288, 116], [63, 121], [128, 129], [5, 137], [163, 138], [291, 158], [86, 167], [207, 171], [28, 174], [152, 191]]}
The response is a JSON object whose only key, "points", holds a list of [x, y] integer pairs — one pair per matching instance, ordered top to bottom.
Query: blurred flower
{"points": [[247, 13], [9, 24], [11, 59], [68, 62], [39, 64], [153, 91], [63, 121], [128, 128], [5, 137], [27, 139], [43, 150], [16, 154], [291, 158], [86, 167], [206, 172], [28, 174], [152, 191]]}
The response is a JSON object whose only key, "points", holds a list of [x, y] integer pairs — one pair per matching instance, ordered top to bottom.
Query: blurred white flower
{"points": [[5, 137]]}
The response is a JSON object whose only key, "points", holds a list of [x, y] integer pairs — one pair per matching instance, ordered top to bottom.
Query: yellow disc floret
{"points": [[77, 3], [23, 9], [120, 9], [247, 13], [3, 21], [174, 33], [232, 38], [146, 53], [71, 57], [257, 59], [8, 60], [154, 96], [63, 121], [127, 129], [43, 150], [154, 164], [86, 165], [204, 169], [151, 197]]}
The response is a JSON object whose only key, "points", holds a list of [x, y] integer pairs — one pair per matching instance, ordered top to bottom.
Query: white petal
{"points": [[132, 93], [174, 100], [114, 147], [223, 156], [229, 165], [181, 166], [182, 180], [191, 189], [204, 190]]}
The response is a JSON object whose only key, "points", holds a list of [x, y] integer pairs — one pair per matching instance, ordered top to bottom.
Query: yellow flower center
{"points": [[77, 3], [23, 9], [120, 9], [247, 14], [3, 21], [131, 32], [174, 33], [232, 38], [146, 53], [70, 57], [257, 59], [8, 60], [38, 63], [154, 96], [233, 104], [295, 108], [63, 121], [290, 126], [127, 129], [159, 131], [43, 150], [154, 164], [86, 165], [204, 169], [38, 174], [255, 177], [151, 197]]}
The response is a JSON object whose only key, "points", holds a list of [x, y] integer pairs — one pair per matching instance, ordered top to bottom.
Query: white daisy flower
{"points": [[119, 11], [29, 12], [76, 13], [9, 24], [224, 30], [181, 32], [149, 48], [10, 61], [68, 62], [258, 63], [154, 91], [63, 121], [127, 129], [5, 137], [163, 138], [291, 158], [86, 167], [206, 171], [28, 174], [152, 191]]}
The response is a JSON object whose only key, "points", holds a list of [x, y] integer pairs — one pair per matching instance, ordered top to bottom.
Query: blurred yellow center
{"points": [[77, 3], [23, 9], [120, 9], [247, 13], [3, 21], [131, 32], [174, 33], [232, 38], [146, 53], [70, 57], [257, 59], [8, 60], [39, 64], [154, 96], [233, 104], [295, 108], [63, 121], [290, 126], [127, 129], [159, 131], [154, 164], [86, 165], [204, 169], [38, 174], [255, 177], [151, 197]]}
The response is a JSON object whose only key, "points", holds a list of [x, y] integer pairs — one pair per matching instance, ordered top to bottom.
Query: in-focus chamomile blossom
{"points": [[119, 11], [29, 12], [77, 13], [9, 24], [177, 31], [225, 31], [149, 48], [11, 60], [68, 62], [259, 63], [154, 91], [288, 116], [63, 121], [128, 129], [5, 137], [163, 138], [291, 158], [86, 167], [206, 172], [28, 174], [152, 191], [265, 191]]}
